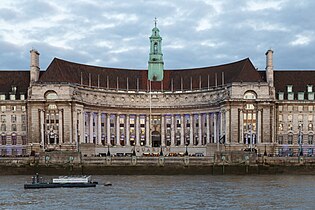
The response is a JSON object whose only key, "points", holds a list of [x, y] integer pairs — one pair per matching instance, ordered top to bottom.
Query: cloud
{"points": [[115, 33]]}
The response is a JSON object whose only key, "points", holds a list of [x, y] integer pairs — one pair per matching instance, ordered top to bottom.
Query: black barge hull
{"points": [[58, 185]]}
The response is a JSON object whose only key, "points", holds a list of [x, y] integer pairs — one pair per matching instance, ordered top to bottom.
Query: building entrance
{"points": [[156, 139]]}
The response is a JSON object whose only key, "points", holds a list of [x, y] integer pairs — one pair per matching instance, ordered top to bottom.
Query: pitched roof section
{"points": [[20, 79], [183, 79], [298, 79]]}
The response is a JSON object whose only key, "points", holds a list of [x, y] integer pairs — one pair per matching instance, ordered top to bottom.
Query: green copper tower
{"points": [[156, 64]]}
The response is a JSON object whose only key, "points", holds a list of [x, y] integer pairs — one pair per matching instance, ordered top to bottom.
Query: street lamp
{"points": [[300, 141], [31, 148], [108, 152], [161, 152], [186, 152]]}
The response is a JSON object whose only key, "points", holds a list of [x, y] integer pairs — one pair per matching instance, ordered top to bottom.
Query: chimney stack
{"points": [[34, 67], [269, 67]]}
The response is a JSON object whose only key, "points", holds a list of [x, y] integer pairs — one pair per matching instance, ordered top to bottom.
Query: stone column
{"points": [[81, 125], [127, 125], [61, 126], [75, 126], [227, 126], [91, 127], [208, 127], [258, 127], [99, 128], [108, 128], [215, 128], [117, 129], [200, 129], [42, 130], [137, 130], [147, 130], [163, 130], [173, 130], [182, 130], [191, 131], [221, 132], [241, 134]]}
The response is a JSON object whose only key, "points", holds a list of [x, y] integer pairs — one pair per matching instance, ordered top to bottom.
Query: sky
{"points": [[196, 33]]}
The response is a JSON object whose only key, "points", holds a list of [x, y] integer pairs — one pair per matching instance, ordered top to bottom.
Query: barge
{"points": [[61, 181]]}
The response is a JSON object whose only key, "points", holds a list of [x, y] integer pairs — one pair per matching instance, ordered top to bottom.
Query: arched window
{"points": [[155, 48], [51, 95], [250, 95]]}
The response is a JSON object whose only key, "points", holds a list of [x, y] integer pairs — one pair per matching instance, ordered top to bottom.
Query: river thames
{"points": [[166, 192]]}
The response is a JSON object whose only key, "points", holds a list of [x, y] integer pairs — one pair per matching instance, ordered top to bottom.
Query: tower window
{"points": [[155, 48]]}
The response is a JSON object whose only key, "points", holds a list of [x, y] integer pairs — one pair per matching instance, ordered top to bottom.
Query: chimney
{"points": [[269, 67], [34, 68]]}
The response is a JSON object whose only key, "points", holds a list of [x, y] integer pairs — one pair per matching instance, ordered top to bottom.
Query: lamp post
{"points": [[300, 141], [31, 148], [134, 150], [108, 152], [161, 152], [186, 152]]}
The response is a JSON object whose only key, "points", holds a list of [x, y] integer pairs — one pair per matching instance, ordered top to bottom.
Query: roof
{"points": [[20, 79], [184, 79], [298, 79]]}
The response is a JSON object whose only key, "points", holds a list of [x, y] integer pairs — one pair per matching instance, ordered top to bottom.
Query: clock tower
{"points": [[156, 64]]}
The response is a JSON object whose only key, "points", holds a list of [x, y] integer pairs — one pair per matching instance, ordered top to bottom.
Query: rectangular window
{"points": [[289, 88], [310, 88], [281, 96], [291, 96], [301, 96], [310, 96], [2, 97], [12, 97], [22, 97], [3, 108], [13, 108], [23, 108], [280, 108], [290, 108], [300, 108], [310, 108], [280, 117], [310, 117], [3, 118], [13, 118], [310, 126], [3, 127], [13, 127], [23, 127], [280, 127], [14, 139], [280, 139], [290, 139], [310, 139], [3, 140], [24, 140]]}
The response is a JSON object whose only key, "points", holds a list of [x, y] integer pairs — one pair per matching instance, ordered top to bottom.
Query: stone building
{"points": [[91, 109]]}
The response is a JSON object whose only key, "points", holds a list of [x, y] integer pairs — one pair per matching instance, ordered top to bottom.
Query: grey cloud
{"points": [[124, 29]]}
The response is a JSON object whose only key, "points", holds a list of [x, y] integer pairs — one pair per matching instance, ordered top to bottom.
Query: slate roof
{"points": [[64, 71], [20, 79], [298, 79]]}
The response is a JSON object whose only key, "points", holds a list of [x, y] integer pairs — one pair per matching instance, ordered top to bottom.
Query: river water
{"points": [[167, 192]]}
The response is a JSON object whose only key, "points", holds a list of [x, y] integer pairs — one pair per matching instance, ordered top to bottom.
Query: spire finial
{"points": [[155, 21]]}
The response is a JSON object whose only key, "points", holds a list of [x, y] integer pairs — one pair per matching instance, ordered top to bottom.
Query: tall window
{"points": [[14, 139], [290, 139], [310, 139], [3, 140]]}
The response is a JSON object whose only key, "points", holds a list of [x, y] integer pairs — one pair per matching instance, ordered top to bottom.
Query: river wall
{"points": [[221, 163]]}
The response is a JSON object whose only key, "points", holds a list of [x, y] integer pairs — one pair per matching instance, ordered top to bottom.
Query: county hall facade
{"points": [[92, 109]]}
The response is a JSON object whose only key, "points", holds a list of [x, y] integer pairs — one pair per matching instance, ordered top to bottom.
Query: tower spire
{"points": [[155, 64]]}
